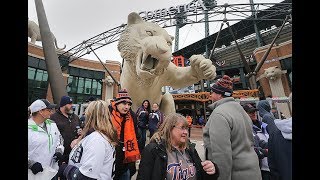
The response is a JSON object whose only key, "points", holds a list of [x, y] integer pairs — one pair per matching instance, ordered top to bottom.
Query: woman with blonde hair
{"points": [[170, 154], [94, 155]]}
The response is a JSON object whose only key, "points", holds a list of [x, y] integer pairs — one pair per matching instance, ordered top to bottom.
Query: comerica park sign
{"points": [[193, 6]]}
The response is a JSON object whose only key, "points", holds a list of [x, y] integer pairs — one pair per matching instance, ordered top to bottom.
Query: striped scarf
{"points": [[130, 143]]}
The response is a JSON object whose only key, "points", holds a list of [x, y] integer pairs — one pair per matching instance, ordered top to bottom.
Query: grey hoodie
{"points": [[285, 126]]}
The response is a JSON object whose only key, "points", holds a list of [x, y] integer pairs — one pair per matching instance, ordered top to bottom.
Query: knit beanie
{"points": [[223, 86], [123, 96]]}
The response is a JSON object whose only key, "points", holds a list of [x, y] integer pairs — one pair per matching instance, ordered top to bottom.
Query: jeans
{"points": [[151, 132], [143, 138], [125, 175], [265, 175]]}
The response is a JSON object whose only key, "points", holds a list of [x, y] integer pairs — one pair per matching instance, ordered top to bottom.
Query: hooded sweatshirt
{"points": [[264, 109], [285, 126], [280, 150]]}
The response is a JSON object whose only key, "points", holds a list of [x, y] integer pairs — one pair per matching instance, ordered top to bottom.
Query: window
{"points": [[31, 73], [39, 75], [37, 78], [42, 79], [44, 82], [37, 84], [72, 84], [80, 85], [88, 86], [94, 86], [82, 88], [99, 89]]}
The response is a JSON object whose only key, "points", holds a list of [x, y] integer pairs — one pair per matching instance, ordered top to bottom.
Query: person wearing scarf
{"points": [[127, 152]]}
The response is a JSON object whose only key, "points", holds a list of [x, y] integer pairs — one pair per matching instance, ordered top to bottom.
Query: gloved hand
{"points": [[259, 153], [57, 156], [36, 167], [61, 169]]}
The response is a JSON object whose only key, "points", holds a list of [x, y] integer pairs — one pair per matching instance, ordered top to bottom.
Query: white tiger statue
{"points": [[34, 34], [146, 50], [272, 73]]}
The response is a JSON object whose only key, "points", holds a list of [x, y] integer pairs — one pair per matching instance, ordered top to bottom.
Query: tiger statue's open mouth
{"points": [[153, 58], [148, 63]]}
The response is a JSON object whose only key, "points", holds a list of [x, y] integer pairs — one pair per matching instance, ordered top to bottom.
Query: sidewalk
{"points": [[200, 148]]}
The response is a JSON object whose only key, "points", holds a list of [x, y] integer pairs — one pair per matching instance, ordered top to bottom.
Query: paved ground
{"points": [[196, 137]]}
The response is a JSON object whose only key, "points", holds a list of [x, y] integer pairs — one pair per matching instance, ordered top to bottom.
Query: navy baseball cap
{"points": [[65, 100]]}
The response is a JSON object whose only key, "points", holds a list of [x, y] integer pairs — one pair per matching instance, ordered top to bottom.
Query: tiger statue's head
{"points": [[145, 46], [272, 73]]}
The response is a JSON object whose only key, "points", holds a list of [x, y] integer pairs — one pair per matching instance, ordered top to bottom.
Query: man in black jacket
{"points": [[68, 124]]}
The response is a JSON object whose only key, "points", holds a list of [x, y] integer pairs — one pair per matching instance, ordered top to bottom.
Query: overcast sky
{"points": [[73, 21]]}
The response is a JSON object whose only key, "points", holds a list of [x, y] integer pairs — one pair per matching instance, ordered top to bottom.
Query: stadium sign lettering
{"points": [[173, 10]]}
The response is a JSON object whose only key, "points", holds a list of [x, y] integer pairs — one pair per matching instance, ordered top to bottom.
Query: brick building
{"points": [[281, 56], [83, 77]]}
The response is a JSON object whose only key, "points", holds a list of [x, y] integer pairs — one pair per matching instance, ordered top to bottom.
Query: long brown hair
{"points": [[98, 118], [164, 131]]}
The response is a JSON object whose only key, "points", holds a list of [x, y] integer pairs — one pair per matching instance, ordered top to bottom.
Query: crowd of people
{"points": [[239, 143]]}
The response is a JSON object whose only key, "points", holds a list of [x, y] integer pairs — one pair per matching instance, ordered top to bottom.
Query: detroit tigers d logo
{"points": [[130, 145]]}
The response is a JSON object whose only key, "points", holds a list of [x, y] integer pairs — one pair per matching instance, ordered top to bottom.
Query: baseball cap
{"points": [[65, 100], [41, 104], [249, 108]]}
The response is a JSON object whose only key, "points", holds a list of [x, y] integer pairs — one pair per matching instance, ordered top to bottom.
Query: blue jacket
{"points": [[143, 117], [155, 119]]}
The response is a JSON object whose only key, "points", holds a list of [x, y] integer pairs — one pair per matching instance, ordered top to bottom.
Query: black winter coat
{"points": [[68, 127], [280, 156], [154, 161]]}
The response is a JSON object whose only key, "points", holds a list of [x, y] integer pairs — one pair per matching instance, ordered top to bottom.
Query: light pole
{"points": [[209, 5], [254, 14], [57, 86]]}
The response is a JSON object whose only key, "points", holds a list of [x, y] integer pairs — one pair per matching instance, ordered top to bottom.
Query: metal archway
{"points": [[231, 12]]}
